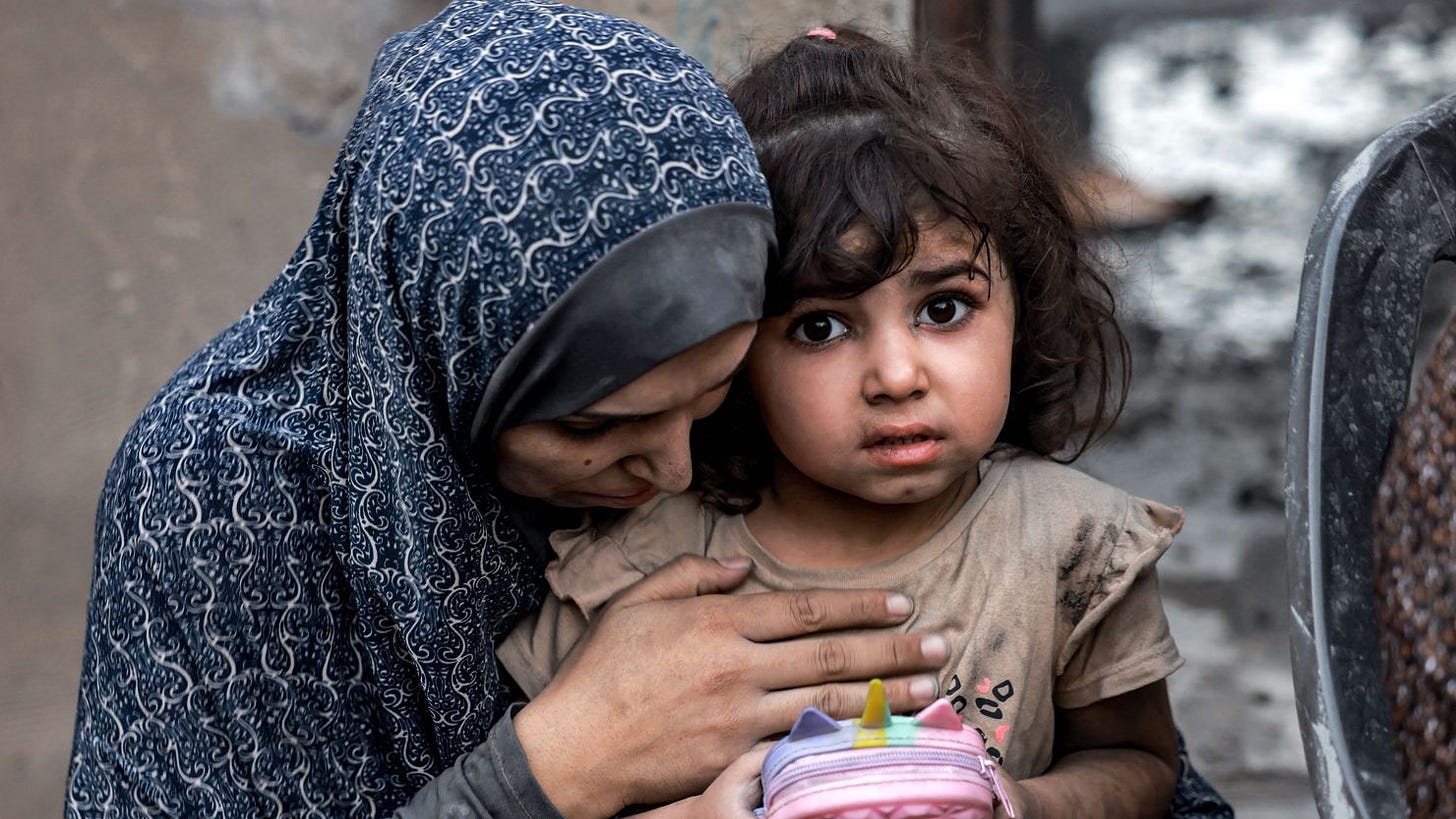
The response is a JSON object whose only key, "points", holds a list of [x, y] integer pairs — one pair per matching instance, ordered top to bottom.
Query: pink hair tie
{"points": [[822, 32]]}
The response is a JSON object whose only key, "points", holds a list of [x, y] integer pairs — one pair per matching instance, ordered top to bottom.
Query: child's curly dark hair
{"points": [[852, 131]]}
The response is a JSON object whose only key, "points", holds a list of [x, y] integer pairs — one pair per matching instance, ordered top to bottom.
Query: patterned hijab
{"points": [[302, 561]]}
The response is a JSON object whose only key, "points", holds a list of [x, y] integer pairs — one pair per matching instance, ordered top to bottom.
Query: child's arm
{"points": [[1115, 759]]}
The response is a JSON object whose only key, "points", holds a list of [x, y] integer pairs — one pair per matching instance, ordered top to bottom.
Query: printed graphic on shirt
{"points": [[988, 699]]}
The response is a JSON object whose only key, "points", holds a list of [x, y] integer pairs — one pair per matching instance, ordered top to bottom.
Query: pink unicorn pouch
{"points": [[881, 767]]}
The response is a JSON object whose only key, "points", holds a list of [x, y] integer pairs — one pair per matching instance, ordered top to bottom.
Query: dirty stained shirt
{"points": [[1043, 582]]}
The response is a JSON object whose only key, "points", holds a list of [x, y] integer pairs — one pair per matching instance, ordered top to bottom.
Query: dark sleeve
{"points": [[491, 781]]}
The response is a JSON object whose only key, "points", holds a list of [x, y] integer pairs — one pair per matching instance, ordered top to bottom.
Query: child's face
{"points": [[893, 396]]}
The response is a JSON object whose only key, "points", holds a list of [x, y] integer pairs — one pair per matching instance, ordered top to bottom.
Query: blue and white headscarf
{"points": [[302, 561]]}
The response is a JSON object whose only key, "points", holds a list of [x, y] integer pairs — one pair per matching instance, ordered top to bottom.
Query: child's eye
{"points": [[943, 310], [817, 328]]}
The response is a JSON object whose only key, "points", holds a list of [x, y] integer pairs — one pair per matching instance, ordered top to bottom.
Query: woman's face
{"points": [[624, 449]]}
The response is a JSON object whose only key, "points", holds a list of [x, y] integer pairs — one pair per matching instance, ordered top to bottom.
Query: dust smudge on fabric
{"points": [[1084, 576]]}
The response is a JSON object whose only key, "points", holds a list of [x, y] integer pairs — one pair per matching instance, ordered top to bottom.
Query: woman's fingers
{"points": [[687, 576], [769, 616], [848, 657], [682, 680], [845, 700]]}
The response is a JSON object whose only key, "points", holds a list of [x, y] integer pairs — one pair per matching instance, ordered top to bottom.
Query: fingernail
{"points": [[736, 562], [898, 605], [934, 648], [924, 688]]}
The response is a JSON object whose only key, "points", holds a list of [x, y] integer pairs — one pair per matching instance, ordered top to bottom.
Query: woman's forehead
{"points": [[681, 379]]}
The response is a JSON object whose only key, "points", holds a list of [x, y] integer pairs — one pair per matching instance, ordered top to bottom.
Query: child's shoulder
{"points": [[1030, 473], [1051, 487], [667, 524], [607, 553]]}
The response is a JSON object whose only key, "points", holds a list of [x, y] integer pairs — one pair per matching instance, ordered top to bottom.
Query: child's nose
{"points": [[894, 371]]}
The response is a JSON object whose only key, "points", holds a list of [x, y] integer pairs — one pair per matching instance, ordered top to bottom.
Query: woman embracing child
{"points": [[937, 345]]}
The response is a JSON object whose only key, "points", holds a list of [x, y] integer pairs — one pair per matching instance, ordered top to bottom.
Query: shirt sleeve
{"points": [[594, 564], [589, 572], [1122, 642], [538, 644], [1131, 647], [493, 780]]}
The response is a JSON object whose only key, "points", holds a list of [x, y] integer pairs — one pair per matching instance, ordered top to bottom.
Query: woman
{"points": [[537, 260]]}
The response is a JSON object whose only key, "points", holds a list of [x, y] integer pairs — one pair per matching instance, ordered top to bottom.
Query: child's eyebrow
{"points": [[929, 277], [624, 417]]}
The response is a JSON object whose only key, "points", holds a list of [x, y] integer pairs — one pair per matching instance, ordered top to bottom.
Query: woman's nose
{"points": [[893, 368], [664, 456]]}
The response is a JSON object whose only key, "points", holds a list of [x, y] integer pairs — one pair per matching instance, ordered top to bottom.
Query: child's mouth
{"points": [[893, 435], [901, 440], [901, 446], [920, 451]]}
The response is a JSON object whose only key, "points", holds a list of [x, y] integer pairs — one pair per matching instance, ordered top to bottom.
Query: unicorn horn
{"points": [[877, 710]]}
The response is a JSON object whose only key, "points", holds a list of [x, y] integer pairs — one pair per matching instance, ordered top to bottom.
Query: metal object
{"points": [[1370, 248]]}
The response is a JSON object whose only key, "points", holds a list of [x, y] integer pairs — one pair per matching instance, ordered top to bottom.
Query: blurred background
{"points": [[159, 159]]}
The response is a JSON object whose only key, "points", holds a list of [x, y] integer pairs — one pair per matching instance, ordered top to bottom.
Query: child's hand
{"points": [[738, 790], [733, 795], [1018, 795]]}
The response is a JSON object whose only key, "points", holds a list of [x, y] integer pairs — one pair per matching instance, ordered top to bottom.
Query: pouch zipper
{"points": [[862, 759], [859, 760]]}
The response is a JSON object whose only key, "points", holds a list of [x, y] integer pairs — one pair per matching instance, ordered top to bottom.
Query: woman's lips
{"points": [[627, 501]]}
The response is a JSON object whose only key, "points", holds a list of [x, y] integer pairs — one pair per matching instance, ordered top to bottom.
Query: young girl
{"points": [[937, 345]]}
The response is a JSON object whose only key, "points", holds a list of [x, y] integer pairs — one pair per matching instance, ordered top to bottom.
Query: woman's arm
{"points": [[675, 681], [1115, 759], [493, 780]]}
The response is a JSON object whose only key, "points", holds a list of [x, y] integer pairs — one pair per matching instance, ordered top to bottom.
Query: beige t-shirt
{"points": [[1043, 583]]}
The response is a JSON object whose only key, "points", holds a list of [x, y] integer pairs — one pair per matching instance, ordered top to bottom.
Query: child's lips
{"points": [[899, 435], [904, 445], [918, 453]]}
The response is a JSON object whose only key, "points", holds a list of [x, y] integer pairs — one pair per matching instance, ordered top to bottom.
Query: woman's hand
{"points": [[674, 681]]}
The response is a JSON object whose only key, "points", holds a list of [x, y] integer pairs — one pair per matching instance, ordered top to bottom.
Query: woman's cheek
{"points": [[536, 460]]}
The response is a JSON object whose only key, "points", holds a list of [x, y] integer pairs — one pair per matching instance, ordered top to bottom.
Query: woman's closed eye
{"points": [[945, 310], [817, 328], [584, 427]]}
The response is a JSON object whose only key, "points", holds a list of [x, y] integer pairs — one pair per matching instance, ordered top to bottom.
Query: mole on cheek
{"points": [[587, 462]]}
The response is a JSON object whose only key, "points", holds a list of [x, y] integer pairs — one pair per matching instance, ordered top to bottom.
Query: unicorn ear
{"points": [[877, 709], [939, 714], [812, 723]]}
